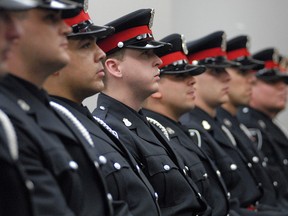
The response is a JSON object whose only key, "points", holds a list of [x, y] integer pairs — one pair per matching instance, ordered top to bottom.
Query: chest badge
{"points": [[127, 122]]}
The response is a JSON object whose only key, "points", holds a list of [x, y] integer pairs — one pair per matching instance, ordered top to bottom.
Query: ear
{"points": [[113, 67], [156, 95]]}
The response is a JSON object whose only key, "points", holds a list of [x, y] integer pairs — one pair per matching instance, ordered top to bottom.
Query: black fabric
{"points": [[272, 142], [48, 144], [248, 148], [201, 168], [126, 183], [176, 193]]}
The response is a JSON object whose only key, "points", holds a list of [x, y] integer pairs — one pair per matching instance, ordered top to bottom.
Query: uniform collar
{"points": [[40, 94]]}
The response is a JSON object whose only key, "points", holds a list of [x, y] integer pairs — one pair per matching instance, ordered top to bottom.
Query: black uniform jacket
{"points": [[272, 142], [253, 156], [201, 169], [65, 175], [124, 178], [15, 187], [245, 187], [177, 195]]}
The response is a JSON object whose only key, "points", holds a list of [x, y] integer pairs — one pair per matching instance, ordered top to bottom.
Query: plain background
{"points": [[265, 21]]}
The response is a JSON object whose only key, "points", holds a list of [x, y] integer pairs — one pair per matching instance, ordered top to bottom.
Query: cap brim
{"points": [[17, 4], [72, 8], [98, 31], [150, 44], [218, 63], [250, 64], [188, 68], [272, 76]]}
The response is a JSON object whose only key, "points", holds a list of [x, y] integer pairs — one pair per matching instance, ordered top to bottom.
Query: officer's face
{"points": [[10, 30], [43, 46], [140, 72], [83, 76], [240, 86], [212, 87], [178, 93], [270, 97]]}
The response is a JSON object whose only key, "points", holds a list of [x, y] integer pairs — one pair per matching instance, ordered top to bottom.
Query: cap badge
{"points": [[85, 6], [151, 18], [224, 42], [248, 42], [184, 46], [275, 56], [283, 62], [127, 122], [206, 125]]}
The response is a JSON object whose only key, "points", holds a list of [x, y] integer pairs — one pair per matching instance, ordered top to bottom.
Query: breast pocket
{"points": [[65, 171], [229, 171], [118, 173], [198, 174], [166, 179]]}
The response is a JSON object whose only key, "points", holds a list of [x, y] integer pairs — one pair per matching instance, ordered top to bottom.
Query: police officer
{"points": [[132, 75], [80, 79], [212, 91], [239, 93], [269, 94], [175, 97], [53, 149], [15, 197]]}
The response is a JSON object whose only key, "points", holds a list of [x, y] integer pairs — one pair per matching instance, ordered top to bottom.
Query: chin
{"points": [[60, 62], [99, 89], [154, 89], [224, 99]]}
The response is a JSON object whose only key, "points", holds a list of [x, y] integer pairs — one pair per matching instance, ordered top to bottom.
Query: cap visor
{"points": [[17, 4], [72, 8], [98, 31], [151, 44], [218, 63], [251, 64], [191, 69], [272, 76], [283, 77]]}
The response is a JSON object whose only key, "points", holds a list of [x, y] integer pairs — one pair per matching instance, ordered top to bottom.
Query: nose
{"points": [[13, 27], [65, 29], [100, 55], [158, 61], [226, 76], [252, 79], [191, 80]]}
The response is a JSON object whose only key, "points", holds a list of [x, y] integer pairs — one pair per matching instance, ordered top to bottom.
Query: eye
{"points": [[53, 17], [86, 45], [147, 53], [182, 76]]}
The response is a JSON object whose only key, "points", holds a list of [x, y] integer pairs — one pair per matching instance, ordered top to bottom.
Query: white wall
{"points": [[265, 21]]}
